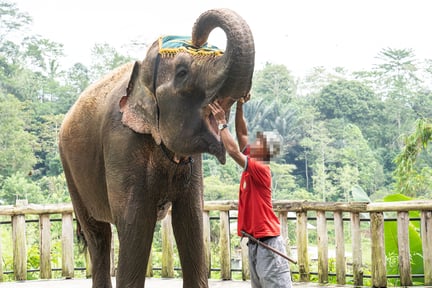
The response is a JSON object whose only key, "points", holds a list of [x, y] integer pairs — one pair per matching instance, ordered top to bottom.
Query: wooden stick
{"points": [[268, 247]]}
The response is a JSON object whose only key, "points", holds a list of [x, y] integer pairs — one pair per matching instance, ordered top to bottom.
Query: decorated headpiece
{"points": [[171, 45]]}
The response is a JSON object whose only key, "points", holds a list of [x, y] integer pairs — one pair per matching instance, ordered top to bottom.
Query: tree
{"points": [[11, 20], [12, 27], [42, 55], [104, 59], [397, 72], [78, 78], [316, 79], [274, 82], [397, 84], [354, 102], [47, 129], [16, 144], [320, 156], [356, 163], [409, 174], [283, 182], [18, 186]]}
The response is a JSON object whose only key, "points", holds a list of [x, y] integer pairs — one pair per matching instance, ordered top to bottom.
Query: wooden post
{"points": [[283, 219], [426, 235], [207, 240], [19, 242], [224, 242], [45, 246], [67, 246], [302, 246], [19, 247], [322, 247], [167, 248], [340, 248], [404, 248], [356, 249], [112, 251], [245, 259], [1, 262], [88, 263], [149, 271], [379, 278]]}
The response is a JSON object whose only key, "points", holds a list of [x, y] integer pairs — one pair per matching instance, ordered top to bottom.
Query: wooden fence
{"points": [[312, 230]]}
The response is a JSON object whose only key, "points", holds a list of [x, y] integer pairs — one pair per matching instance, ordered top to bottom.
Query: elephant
{"points": [[131, 147]]}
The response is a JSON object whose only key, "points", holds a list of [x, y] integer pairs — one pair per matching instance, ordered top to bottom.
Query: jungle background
{"points": [[342, 129]]}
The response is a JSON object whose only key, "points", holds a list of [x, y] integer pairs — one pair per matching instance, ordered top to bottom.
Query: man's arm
{"points": [[241, 126], [228, 140]]}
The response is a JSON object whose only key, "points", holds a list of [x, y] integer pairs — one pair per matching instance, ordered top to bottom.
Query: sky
{"points": [[300, 34]]}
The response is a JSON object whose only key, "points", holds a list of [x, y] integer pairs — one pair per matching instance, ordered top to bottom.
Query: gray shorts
{"points": [[267, 269]]}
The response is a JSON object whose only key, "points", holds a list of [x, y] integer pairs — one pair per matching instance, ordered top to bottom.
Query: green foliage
{"points": [[11, 20], [42, 56], [105, 58], [274, 83], [349, 100], [352, 102], [47, 129], [341, 129], [341, 133], [16, 144], [230, 172], [409, 176], [220, 181], [284, 185], [19, 186], [49, 189], [54, 189], [217, 189], [391, 241], [7, 250], [33, 254]]}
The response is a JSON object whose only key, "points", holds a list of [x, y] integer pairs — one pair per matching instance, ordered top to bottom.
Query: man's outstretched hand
{"points": [[218, 112]]}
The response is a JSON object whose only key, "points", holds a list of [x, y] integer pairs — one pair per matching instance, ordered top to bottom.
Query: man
{"points": [[255, 212]]}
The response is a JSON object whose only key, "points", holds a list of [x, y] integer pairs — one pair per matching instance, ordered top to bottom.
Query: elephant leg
{"points": [[187, 227], [97, 237], [135, 240]]}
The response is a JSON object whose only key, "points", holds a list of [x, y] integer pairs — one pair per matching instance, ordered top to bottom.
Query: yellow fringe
{"points": [[171, 52]]}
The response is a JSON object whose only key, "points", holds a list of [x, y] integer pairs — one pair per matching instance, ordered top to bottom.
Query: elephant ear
{"points": [[139, 106]]}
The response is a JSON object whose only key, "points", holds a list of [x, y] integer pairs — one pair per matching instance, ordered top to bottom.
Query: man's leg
{"points": [[252, 254], [273, 270]]}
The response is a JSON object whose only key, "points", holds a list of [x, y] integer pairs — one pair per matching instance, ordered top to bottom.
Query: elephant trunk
{"points": [[231, 74]]}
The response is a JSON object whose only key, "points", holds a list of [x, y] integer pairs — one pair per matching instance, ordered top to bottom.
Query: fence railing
{"points": [[329, 239]]}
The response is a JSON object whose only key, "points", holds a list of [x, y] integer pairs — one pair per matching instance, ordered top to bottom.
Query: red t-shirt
{"points": [[255, 211]]}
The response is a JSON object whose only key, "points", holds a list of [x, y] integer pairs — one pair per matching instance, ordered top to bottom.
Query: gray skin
{"points": [[125, 146]]}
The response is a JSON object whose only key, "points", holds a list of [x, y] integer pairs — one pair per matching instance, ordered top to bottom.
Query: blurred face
{"points": [[258, 149]]}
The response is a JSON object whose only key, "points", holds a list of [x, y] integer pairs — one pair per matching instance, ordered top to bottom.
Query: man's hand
{"points": [[244, 99], [218, 112], [228, 141]]}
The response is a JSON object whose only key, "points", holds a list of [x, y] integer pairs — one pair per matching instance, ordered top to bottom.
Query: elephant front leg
{"points": [[188, 230], [135, 242]]}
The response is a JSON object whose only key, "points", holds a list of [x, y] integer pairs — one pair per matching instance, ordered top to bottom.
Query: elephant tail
{"points": [[82, 242]]}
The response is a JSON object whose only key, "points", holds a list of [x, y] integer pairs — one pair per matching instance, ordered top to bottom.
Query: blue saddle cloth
{"points": [[171, 45]]}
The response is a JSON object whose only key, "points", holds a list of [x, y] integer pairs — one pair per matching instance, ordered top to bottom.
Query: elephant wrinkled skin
{"points": [[131, 148]]}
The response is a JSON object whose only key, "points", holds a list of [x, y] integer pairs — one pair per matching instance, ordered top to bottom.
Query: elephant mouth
{"points": [[213, 125], [216, 148]]}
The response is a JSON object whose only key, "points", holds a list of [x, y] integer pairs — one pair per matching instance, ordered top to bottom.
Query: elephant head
{"points": [[169, 92]]}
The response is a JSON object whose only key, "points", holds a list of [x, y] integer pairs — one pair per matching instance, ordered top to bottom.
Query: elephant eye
{"points": [[181, 72]]}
